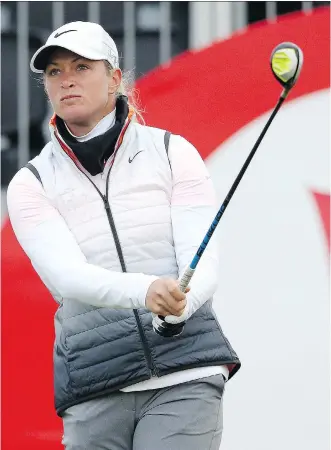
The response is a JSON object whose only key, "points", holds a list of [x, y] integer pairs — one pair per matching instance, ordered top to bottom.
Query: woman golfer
{"points": [[110, 213]]}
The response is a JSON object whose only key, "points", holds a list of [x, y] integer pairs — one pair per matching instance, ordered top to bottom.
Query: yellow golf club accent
{"points": [[282, 63]]}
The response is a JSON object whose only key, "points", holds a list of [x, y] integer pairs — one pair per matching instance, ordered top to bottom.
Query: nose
{"points": [[67, 83]]}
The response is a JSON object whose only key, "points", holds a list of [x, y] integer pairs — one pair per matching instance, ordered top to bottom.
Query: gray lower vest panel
{"points": [[101, 350]]}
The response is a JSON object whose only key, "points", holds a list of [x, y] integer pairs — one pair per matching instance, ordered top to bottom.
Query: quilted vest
{"points": [[123, 227]]}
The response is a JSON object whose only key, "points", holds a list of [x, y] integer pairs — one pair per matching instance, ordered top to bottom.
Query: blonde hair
{"points": [[126, 88]]}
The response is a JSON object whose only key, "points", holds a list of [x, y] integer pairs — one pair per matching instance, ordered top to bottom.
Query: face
{"points": [[81, 91]]}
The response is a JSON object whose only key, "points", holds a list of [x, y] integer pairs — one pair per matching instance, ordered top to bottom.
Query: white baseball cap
{"points": [[87, 39]]}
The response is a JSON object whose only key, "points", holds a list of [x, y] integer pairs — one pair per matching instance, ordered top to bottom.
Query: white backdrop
{"points": [[274, 281]]}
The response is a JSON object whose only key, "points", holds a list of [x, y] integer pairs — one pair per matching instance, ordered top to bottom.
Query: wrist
{"points": [[140, 299]]}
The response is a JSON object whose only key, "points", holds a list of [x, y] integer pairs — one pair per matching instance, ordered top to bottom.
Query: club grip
{"points": [[186, 278], [184, 282], [165, 329]]}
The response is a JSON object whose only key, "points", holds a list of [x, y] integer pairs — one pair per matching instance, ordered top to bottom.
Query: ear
{"points": [[114, 81]]}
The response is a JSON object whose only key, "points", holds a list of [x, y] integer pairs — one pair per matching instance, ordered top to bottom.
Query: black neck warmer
{"points": [[93, 153]]}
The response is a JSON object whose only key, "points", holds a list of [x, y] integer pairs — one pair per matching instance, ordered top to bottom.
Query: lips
{"points": [[68, 97]]}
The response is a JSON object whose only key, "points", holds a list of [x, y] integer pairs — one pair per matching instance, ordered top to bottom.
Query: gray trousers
{"points": [[187, 416]]}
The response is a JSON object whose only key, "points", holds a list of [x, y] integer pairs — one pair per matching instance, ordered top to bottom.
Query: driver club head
{"points": [[286, 63]]}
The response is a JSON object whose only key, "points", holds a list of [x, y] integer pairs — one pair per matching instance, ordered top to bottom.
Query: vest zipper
{"points": [[147, 352]]}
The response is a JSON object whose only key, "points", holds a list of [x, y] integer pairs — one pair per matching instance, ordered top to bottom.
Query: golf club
{"points": [[286, 64]]}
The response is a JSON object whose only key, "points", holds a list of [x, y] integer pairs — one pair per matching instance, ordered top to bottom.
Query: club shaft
{"points": [[234, 186], [186, 277]]}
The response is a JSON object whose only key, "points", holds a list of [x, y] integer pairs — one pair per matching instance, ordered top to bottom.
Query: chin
{"points": [[74, 114]]}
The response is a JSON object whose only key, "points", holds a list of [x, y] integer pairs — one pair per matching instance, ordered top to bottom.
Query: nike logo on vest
{"points": [[131, 159]]}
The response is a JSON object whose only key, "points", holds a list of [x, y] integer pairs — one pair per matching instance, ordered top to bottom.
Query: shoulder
{"points": [[148, 131], [158, 134], [44, 157], [24, 177], [23, 182], [23, 193]]}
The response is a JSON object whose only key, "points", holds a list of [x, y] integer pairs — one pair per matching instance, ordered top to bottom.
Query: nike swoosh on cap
{"points": [[59, 34]]}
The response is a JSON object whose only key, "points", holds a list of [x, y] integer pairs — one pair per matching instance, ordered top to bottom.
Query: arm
{"points": [[193, 207], [56, 256]]}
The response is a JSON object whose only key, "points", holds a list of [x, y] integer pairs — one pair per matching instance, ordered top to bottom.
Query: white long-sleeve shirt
{"points": [[61, 264]]}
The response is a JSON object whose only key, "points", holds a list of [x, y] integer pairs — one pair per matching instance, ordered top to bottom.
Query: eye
{"points": [[82, 67], [53, 72]]}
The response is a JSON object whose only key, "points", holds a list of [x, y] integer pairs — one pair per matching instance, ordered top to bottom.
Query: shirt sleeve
{"points": [[193, 208], [58, 259]]}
